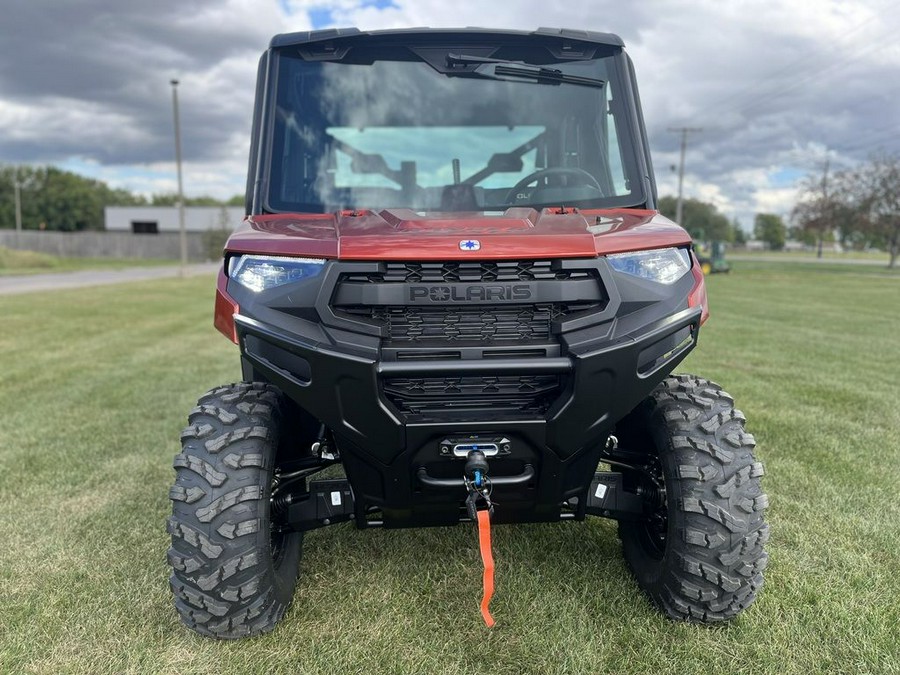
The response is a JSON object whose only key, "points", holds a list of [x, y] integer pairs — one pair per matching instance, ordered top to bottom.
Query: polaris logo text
{"points": [[460, 293]]}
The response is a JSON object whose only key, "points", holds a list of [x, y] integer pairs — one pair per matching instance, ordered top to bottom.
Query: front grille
{"points": [[464, 271], [480, 324], [500, 324], [447, 326], [505, 395]]}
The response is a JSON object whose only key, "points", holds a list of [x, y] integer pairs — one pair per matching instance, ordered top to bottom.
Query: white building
{"points": [[156, 219]]}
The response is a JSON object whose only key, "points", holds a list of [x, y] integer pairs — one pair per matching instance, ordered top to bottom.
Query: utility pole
{"points": [[684, 131], [17, 187], [826, 204], [181, 231]]}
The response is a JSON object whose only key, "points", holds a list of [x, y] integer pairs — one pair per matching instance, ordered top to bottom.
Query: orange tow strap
{"points": [[484, 541]]}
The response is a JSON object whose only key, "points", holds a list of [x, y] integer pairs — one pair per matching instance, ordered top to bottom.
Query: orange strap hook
{"points": [[487, 557]]}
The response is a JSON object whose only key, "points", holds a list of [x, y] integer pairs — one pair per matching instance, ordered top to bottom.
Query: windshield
{"points": [[448, 133]]}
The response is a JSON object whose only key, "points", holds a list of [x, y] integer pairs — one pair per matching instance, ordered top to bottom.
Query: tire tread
{"points": [[712, 569], [223, 579]]}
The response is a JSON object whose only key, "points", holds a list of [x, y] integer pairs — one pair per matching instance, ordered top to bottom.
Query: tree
{"points": [[875, 192], [57, 199], [171, 199], [820, 210], [702, 220], [771, 229], [799, 233], [738, 236]]}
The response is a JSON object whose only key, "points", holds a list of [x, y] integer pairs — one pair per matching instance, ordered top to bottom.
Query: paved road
{"points": [[32, 283]]}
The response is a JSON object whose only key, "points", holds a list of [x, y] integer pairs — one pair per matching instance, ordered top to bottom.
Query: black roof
{"points": [[305, 37]]}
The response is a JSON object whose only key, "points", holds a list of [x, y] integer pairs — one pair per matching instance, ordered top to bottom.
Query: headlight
{"points": [[665, 265], [260, 273]]}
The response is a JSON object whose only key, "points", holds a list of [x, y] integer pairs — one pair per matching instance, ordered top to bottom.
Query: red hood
{"points": [[402, 234]]}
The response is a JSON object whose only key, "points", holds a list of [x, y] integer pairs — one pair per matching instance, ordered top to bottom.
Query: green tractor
{"points": [[711, 256]]}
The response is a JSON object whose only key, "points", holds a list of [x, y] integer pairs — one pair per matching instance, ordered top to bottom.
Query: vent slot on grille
{"points": [[463, 271], [477, 324], [445, 397]]}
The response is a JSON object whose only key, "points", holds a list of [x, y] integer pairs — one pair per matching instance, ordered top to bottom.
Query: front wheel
{"points": [[699, 554], [233, 568]]}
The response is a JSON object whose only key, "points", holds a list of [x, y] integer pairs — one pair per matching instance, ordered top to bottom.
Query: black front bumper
{"points": [[603, 363]]}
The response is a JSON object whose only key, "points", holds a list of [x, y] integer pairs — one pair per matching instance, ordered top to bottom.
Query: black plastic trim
{"points": [[327, 35], [422, 294], [607, 362], [461, 367], [455, 483]]}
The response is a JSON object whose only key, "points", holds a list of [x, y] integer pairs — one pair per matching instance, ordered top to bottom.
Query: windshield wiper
{"points": [[502, 69]]}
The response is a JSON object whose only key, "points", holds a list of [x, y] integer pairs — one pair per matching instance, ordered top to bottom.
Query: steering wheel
{"points": [[543, 175]]}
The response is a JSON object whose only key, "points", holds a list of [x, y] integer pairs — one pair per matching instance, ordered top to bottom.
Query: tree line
{"points": [[54, 199], [861, 205], [858, 208]]}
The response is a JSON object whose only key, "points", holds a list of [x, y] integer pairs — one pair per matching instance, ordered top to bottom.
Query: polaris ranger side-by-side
{"points": [[454, 283]]}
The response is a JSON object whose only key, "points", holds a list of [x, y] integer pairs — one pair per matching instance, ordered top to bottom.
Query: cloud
{"points": [[90, 80], [774, 84]]}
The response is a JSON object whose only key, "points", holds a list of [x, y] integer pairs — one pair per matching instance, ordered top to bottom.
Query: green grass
{"points": [[880, 256], [14, 262], [95, 388]]}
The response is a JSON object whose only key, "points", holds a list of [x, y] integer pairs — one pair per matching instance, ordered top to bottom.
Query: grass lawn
{"points": [[850, 255], [13, 262], [95, 388]]}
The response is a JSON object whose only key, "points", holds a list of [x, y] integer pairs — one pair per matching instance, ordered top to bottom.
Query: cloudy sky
{"points": [[776, 86]]}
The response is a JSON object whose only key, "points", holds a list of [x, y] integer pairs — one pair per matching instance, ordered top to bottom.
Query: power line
{"points": [[810, 55], [785, 89], [753, 93], [767, 95], [872, 138]]}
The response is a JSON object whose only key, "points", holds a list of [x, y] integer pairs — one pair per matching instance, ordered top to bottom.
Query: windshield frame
{"points": [[624, 106]]}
